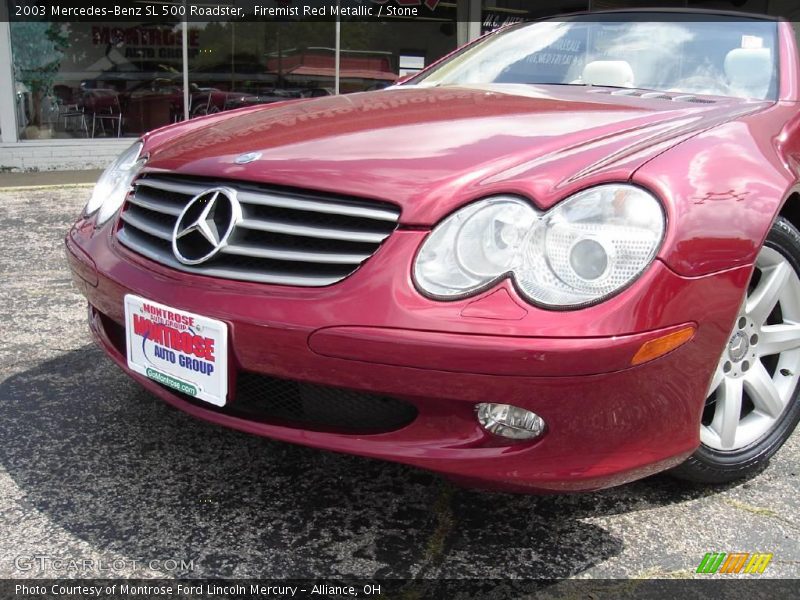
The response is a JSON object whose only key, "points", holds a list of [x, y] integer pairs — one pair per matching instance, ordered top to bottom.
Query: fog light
{"points": [[509, 421]]}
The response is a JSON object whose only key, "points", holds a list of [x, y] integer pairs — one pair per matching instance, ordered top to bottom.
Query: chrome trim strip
{"points": [[154, 205], [333, 208], [155, 230], [346, 235], [328, 258], [166, 259]]}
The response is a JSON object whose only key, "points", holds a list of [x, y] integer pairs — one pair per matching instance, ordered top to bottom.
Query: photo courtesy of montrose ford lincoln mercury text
{"points": [[564, 257]]}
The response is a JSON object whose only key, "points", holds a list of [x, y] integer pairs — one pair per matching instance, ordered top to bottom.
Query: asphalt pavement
{"points": [[92, 468]]}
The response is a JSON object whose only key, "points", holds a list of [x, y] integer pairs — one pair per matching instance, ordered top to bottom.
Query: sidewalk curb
{"points": [[20, 188]]}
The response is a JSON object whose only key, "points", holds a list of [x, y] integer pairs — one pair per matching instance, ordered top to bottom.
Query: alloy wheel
{"points": [[758, 372]]}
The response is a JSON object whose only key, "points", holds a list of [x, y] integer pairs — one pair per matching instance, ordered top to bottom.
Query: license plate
{"points": [[179, 349]]}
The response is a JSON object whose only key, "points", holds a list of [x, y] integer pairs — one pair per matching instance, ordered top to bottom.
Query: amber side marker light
{"points": [[652, 349]]}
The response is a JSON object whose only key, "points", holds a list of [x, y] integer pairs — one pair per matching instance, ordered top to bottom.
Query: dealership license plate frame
{"points": [[211, 388]]}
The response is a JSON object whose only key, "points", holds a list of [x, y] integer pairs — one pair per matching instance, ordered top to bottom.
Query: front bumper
{"points": [[608, 423]]}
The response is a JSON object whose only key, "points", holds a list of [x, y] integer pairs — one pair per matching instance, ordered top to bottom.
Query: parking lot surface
{"points": [[93, 468]]}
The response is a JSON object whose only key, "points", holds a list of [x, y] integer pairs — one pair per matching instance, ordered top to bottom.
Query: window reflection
{"points": [[375, 54], [244, 64], [115, 79], [95, 80]]}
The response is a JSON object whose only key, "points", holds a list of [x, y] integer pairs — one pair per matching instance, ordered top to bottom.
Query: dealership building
{"points": [[73, 94]]}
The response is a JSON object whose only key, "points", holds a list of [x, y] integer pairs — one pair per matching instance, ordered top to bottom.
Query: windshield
{"points": [[729, 56]]}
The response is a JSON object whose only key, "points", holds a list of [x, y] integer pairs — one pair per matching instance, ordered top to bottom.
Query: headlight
{"points": [[115, 182], [580, 252]]}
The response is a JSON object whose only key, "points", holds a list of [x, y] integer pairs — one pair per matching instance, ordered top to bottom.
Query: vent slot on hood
{"points": [[677, 97]]}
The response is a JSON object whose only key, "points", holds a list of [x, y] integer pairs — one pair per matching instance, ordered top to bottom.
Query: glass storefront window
{"points": [[376, 54], [244, 64], [120, 79], [92, 80]]}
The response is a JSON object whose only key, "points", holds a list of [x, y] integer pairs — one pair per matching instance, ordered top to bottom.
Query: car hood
{"points": [[430, 150]]}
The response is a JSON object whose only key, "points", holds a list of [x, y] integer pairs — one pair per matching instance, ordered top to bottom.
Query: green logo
{"points": [[169, 381], [734, 562]]}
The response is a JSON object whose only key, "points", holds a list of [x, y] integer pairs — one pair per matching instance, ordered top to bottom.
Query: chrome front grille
{"points": [[284, 237]]}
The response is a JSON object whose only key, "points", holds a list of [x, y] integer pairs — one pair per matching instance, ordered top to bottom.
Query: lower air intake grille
{"points": [[261, 234], [293, 403], [310, 406]]}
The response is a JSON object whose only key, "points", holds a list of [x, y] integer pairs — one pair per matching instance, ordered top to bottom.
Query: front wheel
{"points": [[203, 109], [753, 407]]}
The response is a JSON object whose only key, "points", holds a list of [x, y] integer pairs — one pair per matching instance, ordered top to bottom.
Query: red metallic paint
{"points": [[432, 150], [723, 170], [467, 353], [619, 423]]}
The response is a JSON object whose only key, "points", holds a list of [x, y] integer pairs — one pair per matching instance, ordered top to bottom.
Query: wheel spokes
{"points": [[764, 298], [779, 338], [716, 380], [762, 391], [728, 409]]}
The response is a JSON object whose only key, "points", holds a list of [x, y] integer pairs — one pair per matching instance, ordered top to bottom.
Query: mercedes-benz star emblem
{"points": [[243, 159], [204, 226], [738, 346]]}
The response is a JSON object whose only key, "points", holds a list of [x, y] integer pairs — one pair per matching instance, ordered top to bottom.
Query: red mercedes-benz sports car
{"points": [[564, 257]]}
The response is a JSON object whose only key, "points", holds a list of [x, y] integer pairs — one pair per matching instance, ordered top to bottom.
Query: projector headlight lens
{"points": [[580, 252], [588, 258]]}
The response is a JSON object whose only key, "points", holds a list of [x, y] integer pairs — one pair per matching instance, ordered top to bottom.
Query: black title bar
{"points": [[230, 10], [734, 588]]}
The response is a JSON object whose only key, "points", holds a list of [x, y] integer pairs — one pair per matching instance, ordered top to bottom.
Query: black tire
{"points": [[708, 465]]}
